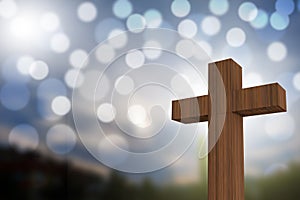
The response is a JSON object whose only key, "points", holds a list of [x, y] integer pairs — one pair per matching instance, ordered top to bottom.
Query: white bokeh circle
{"points": [[135, 115]]}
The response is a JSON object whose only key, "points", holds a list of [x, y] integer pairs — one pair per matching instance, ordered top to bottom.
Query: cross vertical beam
{"points": [[228, 102], [226, 159]]}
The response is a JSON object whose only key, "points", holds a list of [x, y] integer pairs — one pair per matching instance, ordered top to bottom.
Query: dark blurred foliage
{"points": [[33, 176]]}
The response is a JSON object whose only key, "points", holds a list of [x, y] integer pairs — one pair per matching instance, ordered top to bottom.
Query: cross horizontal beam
{"points": [[258, 100], [184, 111]]}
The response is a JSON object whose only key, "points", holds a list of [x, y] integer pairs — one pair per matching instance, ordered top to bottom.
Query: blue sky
{"points": [[52, 51]]}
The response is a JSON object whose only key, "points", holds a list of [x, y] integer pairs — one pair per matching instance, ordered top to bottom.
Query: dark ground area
{"points": [[33, 176]]}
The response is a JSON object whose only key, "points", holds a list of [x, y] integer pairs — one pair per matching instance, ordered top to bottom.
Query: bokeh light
{"points": [[218, 7], [285, 7], [8, 8], [122, 8], [180, 8], [87, 11], [248, 11], [153, 18], [261, 20], [49, 21], [279, 21], [136, 23], [210, 25], [25, 27], [105, 27], [187, 28], [236, 37], [117, 38], [60, 43], [206, 47], [185, 48], [152, 49], [277, 51], [105, 53], [78, 57], [135, 58], [24, 63], [38, 70], [74, 78], [296, 81], [124, 85], [14, 96], [61, 105], [106, 112], [137, 114], [24, 137], [61, 139]]}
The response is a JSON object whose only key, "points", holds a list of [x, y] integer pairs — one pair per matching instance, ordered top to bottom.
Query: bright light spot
{"points": [[218, 7], [285, 7], [8, 8], [122, 8], [180, 8], [248, 11], [87, 12], [153, 18], [261, 20], [279, 21], [50, 22], [136, 23], [210, 25], [24, 27], [187, 28], [235, 37], [117, 38], [60, 43], [206, 47], [185, 48], [277, 51], [105, 53], [154, 53], [78, 57], [135, 59], [24, 64], [39, 70], [74, 78], [252, 79], [296, 81], [124, 85], [14, 96], [61, 105], [106, 112], [137, 115], [280, 127], [24, 137], [61, 139]]}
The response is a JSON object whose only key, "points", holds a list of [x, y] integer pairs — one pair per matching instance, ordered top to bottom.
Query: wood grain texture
{"points": [[260, 100], [185, 110], [226, 158]]}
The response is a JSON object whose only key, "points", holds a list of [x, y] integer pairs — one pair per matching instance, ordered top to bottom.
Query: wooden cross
{"points": [[226, 159]]}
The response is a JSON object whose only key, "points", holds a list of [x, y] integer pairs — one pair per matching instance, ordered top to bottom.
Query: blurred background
{"points": [[43, 47]]}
